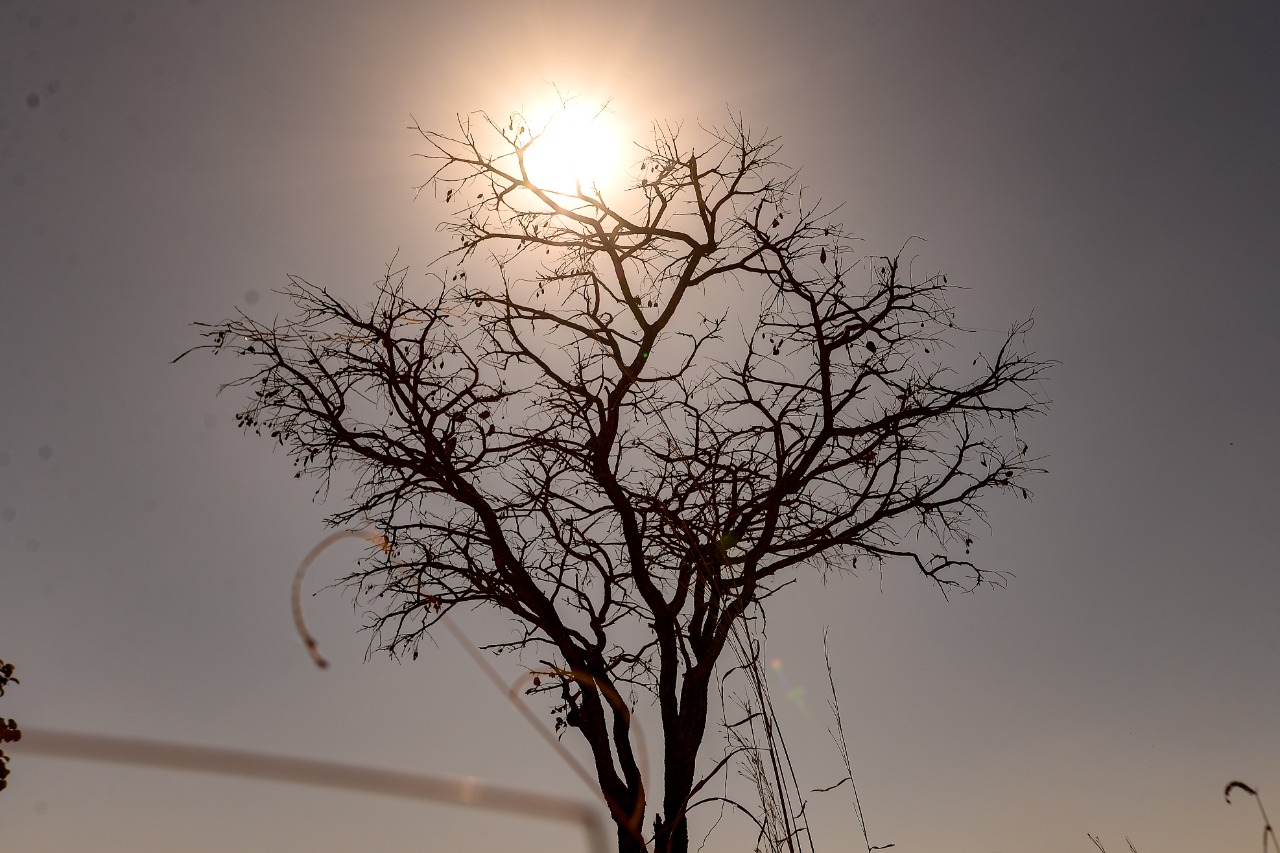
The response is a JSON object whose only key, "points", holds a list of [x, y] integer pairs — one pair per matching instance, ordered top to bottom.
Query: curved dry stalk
{"points": [[299, 621], [1268, 834]]}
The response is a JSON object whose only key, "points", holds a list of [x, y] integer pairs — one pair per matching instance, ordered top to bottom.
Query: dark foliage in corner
{"points": [[9, 731]]}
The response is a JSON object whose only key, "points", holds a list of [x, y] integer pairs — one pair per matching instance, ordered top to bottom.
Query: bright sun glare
{"points": [[580, 144]]}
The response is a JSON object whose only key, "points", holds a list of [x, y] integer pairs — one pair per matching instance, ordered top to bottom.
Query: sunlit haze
{"points": [[579, 146], [1109, 168]]}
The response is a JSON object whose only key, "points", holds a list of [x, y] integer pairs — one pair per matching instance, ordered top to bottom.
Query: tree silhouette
{"points": [[628, 421]]}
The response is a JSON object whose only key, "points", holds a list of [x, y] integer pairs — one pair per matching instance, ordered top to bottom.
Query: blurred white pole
{"points": [[467, 790]]}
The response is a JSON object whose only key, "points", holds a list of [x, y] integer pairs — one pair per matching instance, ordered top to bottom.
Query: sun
{"points": [[578, 147]]}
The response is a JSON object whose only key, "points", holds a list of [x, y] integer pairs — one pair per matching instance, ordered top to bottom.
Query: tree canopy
{"points": [[628, 421]]}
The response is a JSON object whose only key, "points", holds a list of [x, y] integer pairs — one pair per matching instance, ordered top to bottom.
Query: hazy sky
{"points": [[1111, 167]]}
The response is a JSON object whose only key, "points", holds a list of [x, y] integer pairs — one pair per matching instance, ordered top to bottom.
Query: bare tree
{"points": [[627, 422]]}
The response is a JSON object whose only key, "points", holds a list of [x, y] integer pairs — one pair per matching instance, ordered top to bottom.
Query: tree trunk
{"points": [[681, 756], [630, 840], [628, 843]]}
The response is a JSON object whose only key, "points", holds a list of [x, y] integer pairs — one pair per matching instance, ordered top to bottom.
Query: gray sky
{"points": [[1110, 167]]}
